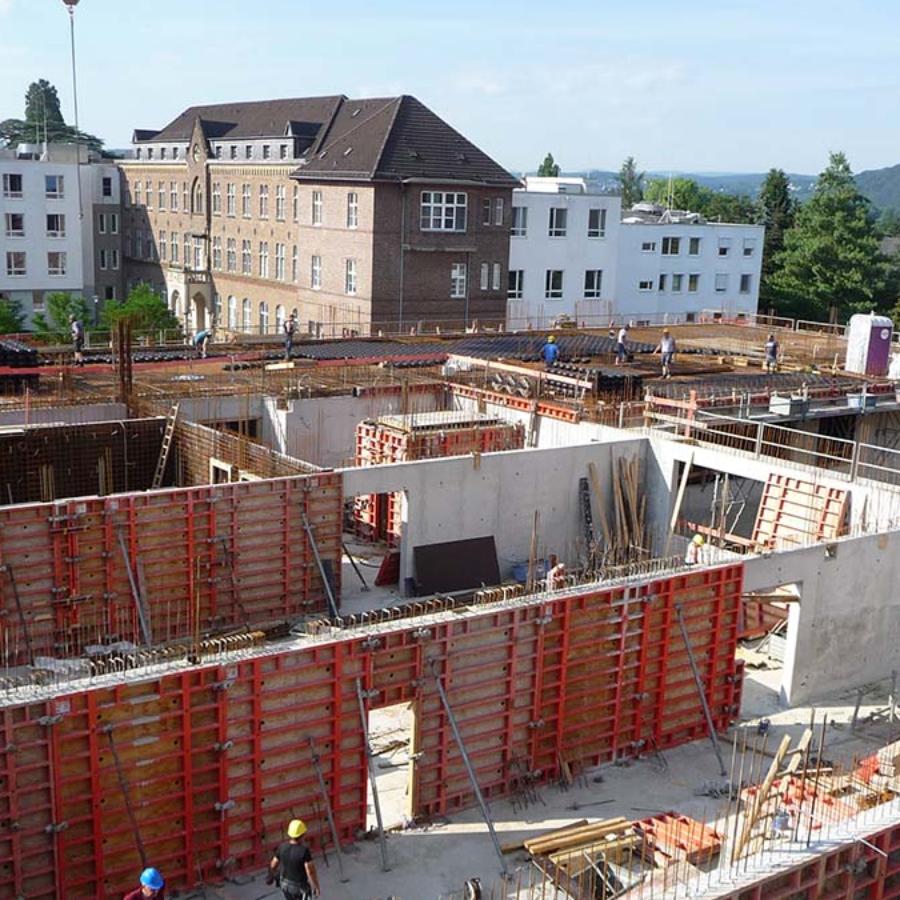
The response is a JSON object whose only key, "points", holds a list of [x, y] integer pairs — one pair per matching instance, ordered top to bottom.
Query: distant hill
{"points": [[881, 186]]}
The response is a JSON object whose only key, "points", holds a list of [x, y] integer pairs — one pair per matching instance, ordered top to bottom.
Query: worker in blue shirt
{"points": [[550, 353]]}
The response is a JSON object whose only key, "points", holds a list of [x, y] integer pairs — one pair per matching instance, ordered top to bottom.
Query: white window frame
{"points": [[8, 190], [59, 192], [161, 192], [173, 196], [216, 198], [230, 200], [246, 200], [264, 201], [279, 202], [295, 204], [317, 208], [352, 209], [443, 211], [498, 211], [519, 226], [555, 227], [597, 229], [10, 231], [694, 242], [163, 246], [648, 246], [671, 246], [724, 247], [749, 247], [217, 252], [230, 255], [246, 257], [114, 259], [263, 259], [295, 261], [279, 262], [16, 263], [58, 270], [496, 270], [315, 272], [485, 278], [746, 279], [458, 281], [661, 282], [677, 282], [693, 282], [721, 283], [350, 284], [515, 284], [593, 284], [645, 285], [551, 291], [232, 312], [246, 315], [263, 317]]}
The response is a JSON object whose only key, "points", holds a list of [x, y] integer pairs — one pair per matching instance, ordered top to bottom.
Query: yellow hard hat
{"points": [[551, 339], [698, 539], [297, 828]]}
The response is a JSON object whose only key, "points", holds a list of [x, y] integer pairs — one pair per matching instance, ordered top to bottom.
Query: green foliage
{"points": [[44, 119], [548, 168], [631, 183], [881, 186], [685, 193], [779, 210], [889, 223], [831, 266], [144, 308], [11, 319], [54, 324]]}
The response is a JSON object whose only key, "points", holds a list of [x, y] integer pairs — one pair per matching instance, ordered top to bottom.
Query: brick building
{"points": [[358, 214]]}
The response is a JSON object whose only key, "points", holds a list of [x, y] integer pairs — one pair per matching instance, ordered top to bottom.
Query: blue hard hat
{"points": [[152, 879]]}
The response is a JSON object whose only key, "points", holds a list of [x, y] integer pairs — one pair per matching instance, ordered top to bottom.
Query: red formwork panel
{"points": [[204, 557], [205, 766]]}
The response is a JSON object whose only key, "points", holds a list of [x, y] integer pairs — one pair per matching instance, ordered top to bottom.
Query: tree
{"points": [[44, 120], [548, 168], [631, 183], [685, 193], [778, 210], [889, 223], [831, 266], [144, 308], [11, 319], [54, 325]]}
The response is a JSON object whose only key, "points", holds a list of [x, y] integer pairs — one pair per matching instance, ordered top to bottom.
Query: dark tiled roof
{"points": [[144, 134]]}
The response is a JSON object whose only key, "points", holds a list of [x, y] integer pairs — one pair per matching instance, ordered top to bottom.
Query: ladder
{"points": [[164, 450]]}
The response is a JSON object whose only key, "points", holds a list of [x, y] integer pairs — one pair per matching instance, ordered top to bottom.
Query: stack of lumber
{"points": [[889, 760], [680, 837], [569, 847]]}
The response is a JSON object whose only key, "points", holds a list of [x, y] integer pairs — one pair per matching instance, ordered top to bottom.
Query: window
{"points": [[218, 151], [248, 151], [282, 151], [139, 152], [162, 152], [149, 153], [174, 153], [267, 153], [232, 154], [12, 185], [54, 187], [106, 187], [161, 190], [137, 193], [173, 196], [198, 198], [216, 198], [148, 200], [229, 200], [245, 200], [264, 201], [279, 202], [295, 204], [185, 205], [317, 207], [352, 210], [498, 210], [443, 211], [487, 214], [558, 217], [519, 221], [101, 223], [113, 223], [596, 223], [15, 224], [137, 243], [186, 244], [149, 246], [163, 246], [671, 246], [694, 246], [724, 246], [749, 246], [648, 247], [173, 248], [217, 252], [231, 255], [246, 258], [103, 259], [114, 259], [263, 259], [199, 261], [279, 262], [294, 262], [15, 263], [56, 263], [315, 274], [350, 276], [485, 276], [495, 276], [457, 278], [661, 282], [721, 282], [515, 283], [593, 283], [677, 283], [693, 283], [553, 284], [746, 284], [645, 285], [109, 292], [217, 307], [232, 313], [246, 315], [263, 317], [690, 317]]}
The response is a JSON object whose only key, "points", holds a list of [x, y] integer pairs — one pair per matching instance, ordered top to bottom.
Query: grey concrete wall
{"points": [[68, 415]]}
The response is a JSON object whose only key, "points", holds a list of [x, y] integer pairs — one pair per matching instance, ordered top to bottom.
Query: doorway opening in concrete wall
{"points": [[392, 737]]}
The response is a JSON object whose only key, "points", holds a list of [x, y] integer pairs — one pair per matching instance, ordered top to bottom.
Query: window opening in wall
{"points": [[392, 738]]}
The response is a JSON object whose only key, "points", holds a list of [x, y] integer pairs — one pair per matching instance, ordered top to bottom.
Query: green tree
{"points": [[44, 119], [548, 168], [631, 183], [685, 193], [778, 212], [889, 223], [831, 266], [144, 308], [11, 319], [54, 324]]}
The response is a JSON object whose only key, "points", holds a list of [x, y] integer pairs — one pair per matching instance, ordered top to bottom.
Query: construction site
{"points": [[492, 629]]}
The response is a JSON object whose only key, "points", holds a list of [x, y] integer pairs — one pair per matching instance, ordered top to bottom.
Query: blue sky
{"points": [[681, 85]]}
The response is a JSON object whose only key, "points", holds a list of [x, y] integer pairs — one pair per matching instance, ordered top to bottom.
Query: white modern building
{"points": [[60, 215], [573, 255]]}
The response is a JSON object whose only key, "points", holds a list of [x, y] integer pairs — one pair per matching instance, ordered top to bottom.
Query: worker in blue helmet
{"points": [[152, 885]]}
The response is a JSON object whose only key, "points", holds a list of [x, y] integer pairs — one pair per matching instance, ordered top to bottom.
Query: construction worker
{"points": [[290, 328], [77, 331], [201, 340], [666, 349], [621, 351], [550, 353], [771, 354], [694, 554], [292, 865], [152, 885]]}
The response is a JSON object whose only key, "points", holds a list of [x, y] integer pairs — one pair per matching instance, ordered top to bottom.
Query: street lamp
{"points": [[70, 6]]}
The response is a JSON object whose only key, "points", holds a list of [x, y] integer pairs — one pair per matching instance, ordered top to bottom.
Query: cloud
{"points": [[5, 6]]}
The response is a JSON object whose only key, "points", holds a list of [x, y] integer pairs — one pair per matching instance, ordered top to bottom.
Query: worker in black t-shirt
{"points": [[293, 865]]}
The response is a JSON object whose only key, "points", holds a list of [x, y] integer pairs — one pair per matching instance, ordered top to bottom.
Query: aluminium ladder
{"points": [[164, 450]]}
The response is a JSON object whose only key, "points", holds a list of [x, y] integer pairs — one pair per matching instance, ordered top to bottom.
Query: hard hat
{"points": [[665, 330], [551, 339], [698, 539], [297, 828], [152, 879]]}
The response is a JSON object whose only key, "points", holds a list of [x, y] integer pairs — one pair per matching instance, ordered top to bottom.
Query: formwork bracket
{"points": [[422, 634], [371, 643], [222, 685], [370, 695], [47, 721], [538, 723], [224, 747], [224, 806], [56, 827], [225, 863]]}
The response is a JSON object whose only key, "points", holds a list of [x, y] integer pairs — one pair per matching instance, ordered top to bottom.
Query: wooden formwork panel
{"points": [[793, 510], [202, 558], [204, 767]]}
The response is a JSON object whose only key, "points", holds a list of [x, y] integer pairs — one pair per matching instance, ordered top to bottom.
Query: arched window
{"points": [[197, 197], [175, 303], [232, 313], [246, 315], [263, 317], [279, 318]]}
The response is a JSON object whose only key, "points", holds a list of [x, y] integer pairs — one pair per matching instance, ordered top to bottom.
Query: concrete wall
{"points": [[68, 415]]}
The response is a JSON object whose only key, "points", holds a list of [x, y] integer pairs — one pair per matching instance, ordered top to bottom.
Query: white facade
{"points": [[47, 223], [657, 266]]}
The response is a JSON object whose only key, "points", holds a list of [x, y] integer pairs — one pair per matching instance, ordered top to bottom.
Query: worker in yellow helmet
{"points": [[550, 352], [694, 554], [292, 865]]}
